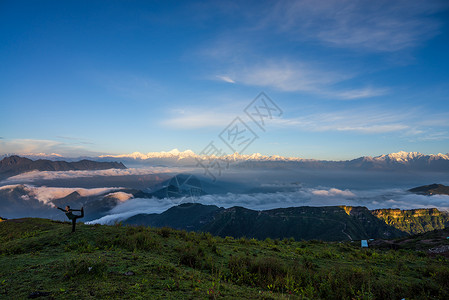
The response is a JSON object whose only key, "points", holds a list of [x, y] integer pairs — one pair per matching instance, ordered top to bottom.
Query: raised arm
{"points": [[60, 209]]}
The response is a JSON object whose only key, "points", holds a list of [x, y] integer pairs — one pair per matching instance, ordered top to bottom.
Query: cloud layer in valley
{"points": [[52, 175], [48, 194], [373, 199]]}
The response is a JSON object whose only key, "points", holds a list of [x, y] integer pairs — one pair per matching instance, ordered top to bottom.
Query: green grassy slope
{"points": [[38, 255]]}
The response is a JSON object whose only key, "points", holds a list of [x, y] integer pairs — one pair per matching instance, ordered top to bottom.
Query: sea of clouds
{"points": [[53, 175], [253, 189], [47, 194], [372, 199]]}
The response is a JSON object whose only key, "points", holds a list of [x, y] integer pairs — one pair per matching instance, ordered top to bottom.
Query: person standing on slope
{"points": [[68, 212]]}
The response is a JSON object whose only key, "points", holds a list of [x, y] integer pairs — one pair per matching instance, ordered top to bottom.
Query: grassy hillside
{"points": [[120, 262]]}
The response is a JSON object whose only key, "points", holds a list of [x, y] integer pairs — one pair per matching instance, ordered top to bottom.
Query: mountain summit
{"points": [[179, 155], [401, 156], [393, 161], [13, 165]]}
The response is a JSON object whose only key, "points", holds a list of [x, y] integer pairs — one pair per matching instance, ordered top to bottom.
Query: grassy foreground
{"points": [[42, 258]]}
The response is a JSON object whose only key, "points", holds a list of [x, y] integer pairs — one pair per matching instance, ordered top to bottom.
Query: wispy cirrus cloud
{"points": [[365, 26], [379, 26], [287, 74], [294, 76], [225, 78], [132, 86], [366, 92], [216, 111], [195, 119], [355, 120], [336, 122], [411, 124], [75, 140], [32, 146]]}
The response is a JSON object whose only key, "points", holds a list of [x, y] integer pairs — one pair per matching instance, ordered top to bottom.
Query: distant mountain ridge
{"points": [[400, 156], [399, 160], [394, 161], [13, 165], [431, 189], [329, 223]]}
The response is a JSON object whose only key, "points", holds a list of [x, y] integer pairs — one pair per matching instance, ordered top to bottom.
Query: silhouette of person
{"points": [[68, 212]]}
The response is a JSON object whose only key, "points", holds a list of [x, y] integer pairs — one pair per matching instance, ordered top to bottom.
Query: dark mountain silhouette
{"points": [[13, 165], [431, 189], [16, 200], [189, 216], [324, 223], [330, 223]]}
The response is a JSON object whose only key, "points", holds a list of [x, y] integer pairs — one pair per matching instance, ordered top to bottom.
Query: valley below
{"points": [[264, 229]]}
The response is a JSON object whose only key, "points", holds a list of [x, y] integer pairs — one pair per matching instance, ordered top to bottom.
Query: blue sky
{"points": [[352, 78]]}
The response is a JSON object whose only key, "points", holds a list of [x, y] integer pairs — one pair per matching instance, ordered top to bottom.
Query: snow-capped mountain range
{"points": [[189, 154], [399, 157], [404, 157], [393, 161]]}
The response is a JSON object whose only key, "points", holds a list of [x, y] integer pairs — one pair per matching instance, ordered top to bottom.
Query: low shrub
{"points": [[165, 232], [194, 256]]}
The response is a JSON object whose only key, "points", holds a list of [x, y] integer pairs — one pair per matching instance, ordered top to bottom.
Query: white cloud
{"points": [[365, 26], [380, 26], [287, 76], [299, 76], [225, 78], [361, 93], [198, 119], [367, 120], [412, 123], [372, 129], [435, 136], [30, 146], [50, 175], [9, 187], [333, 192], [48, 194], [121, 196], [373, 199], [133, 207]]}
